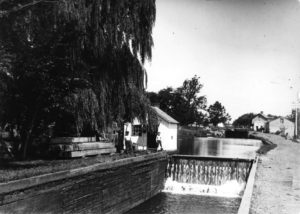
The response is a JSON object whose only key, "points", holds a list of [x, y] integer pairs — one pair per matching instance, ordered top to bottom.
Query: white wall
{"points": [[258, 122], [278, 125], [168, 132], [141, 141]]}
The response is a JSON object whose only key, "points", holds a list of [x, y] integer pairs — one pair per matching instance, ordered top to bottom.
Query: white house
{"points": [[260, 122], [282, 125], [167, 128], [137, 133]]}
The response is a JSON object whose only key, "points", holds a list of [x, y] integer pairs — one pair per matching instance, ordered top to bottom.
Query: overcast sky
{"points": [[246, 52]]}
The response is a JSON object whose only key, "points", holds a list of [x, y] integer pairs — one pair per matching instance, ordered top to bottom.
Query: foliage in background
{"points": [[77, 64], [183, 103], [218, 114], [244, 120]]}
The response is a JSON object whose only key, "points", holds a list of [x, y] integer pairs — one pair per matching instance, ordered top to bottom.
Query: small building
{"points": [[260, 122], [282, 125], [167, 128], [138, 133]]}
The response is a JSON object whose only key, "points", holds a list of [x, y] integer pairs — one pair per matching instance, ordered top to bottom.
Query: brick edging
{"points": [[50, 177], [246, 199]]}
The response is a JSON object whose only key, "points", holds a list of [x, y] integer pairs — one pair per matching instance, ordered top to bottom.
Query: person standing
{"points": [[120, 139], [158, 141], [128, 143]]}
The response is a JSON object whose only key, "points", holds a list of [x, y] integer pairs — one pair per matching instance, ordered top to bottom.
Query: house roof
{"points": [[163, 115], [268, 118], [281, 118]]}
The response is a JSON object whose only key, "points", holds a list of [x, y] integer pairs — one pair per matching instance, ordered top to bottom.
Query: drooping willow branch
{"points": [[21, 7], [102, 44]]}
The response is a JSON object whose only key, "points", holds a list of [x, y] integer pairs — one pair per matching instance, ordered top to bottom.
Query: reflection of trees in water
{"points": [[209, 172]]}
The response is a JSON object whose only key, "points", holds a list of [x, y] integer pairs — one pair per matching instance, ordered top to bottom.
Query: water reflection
{"points": [[219, 147], [193, 183]]}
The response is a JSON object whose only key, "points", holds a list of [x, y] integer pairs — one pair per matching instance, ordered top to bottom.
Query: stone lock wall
{"points": [[112, 187]]}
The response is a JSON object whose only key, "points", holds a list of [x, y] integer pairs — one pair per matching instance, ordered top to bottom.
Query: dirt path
{"points": [[277, 182]]}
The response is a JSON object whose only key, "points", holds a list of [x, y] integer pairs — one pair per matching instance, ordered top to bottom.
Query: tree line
{"points": [[78, 67], [187, 106]]}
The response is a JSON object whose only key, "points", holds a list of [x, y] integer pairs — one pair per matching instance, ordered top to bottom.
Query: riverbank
{"points": [[267, 144], [14, 170], [277, 180], [108, 187]]}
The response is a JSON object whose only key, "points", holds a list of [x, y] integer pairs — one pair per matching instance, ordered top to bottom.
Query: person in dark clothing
{"points": [[128, 142]]}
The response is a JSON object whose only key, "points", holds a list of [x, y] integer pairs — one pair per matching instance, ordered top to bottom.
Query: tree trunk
{"points": [[29, 132]]}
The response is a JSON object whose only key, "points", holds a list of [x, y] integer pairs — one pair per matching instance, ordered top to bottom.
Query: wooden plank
{"points": [[66, 140], [95, 145], [81, 146], [73, 154]]}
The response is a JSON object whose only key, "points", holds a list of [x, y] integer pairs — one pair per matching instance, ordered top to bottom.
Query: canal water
{"points": [[220, 147], [203, 178]]}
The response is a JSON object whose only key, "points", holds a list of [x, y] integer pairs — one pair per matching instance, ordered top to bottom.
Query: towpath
{"points": [[277, 183]]}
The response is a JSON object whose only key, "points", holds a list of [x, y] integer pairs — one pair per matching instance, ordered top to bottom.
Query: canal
{"points": [[207, 176]]}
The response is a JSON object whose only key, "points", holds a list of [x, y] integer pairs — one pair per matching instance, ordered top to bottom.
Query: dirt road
{"points": [[277, 183]]}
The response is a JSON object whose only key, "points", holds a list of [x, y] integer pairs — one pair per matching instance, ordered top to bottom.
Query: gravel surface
{"points": [[277, 181]]}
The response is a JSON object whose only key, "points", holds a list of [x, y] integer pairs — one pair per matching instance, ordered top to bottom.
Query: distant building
{"points": [[260, 121], [273, 124], [281, 125], [167, 128]]}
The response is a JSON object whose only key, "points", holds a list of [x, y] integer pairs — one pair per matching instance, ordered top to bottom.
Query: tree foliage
{"points": [[76, 63], [183, 103], [217, 114], [244, 120]]}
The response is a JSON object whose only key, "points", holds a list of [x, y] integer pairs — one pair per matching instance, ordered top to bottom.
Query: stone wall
{"points": [[112, 187]]}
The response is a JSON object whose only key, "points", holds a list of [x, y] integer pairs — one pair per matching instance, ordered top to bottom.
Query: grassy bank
{"points": [[267, 143], [14, 170]]}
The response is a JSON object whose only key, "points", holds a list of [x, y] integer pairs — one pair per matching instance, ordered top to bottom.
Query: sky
{"points": [[246, 52]]}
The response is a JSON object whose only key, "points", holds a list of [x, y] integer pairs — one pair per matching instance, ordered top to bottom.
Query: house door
{"points": [[151, 140]]}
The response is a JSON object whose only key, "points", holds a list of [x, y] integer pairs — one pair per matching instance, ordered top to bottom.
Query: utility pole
{"points": [[296, 105], [296, 116], [296, 121]]}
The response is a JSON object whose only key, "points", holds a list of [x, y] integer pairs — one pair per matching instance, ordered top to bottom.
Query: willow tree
{"points": [[75, 62]]}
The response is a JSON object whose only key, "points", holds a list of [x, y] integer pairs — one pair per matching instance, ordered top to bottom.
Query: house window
{"points": [[136, 130]]}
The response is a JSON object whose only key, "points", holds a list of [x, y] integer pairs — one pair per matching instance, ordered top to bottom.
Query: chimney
{"points": [[261, 112]]}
